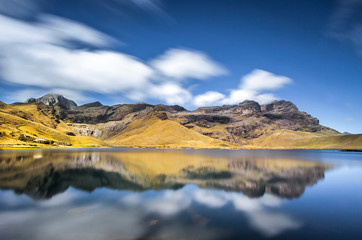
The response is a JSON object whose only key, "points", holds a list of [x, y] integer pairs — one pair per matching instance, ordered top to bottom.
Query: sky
{"points": [[187, 52]]}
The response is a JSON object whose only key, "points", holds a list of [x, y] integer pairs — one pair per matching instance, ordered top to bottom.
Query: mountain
{"points": [[54, 99], [53, 120]]}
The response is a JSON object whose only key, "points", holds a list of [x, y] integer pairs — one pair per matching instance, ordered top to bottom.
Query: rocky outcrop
{"points": [[54, 99], [89, 105], [279, 106], [248, 108], [171, 109], [87, 130]]}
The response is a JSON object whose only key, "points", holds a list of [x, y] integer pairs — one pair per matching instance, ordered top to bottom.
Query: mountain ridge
{"points": [[279, 124]]}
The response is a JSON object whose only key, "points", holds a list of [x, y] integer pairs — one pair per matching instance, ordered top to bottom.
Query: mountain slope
{"points": [[35, 125], [247, 125], [163, 133]]}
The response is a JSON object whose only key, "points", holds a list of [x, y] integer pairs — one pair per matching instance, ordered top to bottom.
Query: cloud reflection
{"points": [[105, 213]]}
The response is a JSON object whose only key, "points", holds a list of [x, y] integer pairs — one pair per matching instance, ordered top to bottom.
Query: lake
{"points": [[180, 194]]}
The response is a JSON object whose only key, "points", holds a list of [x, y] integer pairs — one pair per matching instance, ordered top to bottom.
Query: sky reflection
{"points": [[132, 215]]}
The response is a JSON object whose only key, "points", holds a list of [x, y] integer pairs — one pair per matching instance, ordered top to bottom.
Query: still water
{"points": [[180, 194]]}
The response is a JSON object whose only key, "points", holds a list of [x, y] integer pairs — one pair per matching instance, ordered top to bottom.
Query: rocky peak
{"points": [[54, 99], [30, 100], [89, 105], [279, 106], [248, 107], [171, 108]]}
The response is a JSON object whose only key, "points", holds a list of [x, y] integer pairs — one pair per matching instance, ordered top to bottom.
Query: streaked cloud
{"points": [[153, 6], [20, 8], [346, 24], [40, 55], [43, 56]]}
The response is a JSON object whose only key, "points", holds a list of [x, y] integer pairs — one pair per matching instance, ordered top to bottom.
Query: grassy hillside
{"points": [[28, 126], [163, 133], [293, 139]]}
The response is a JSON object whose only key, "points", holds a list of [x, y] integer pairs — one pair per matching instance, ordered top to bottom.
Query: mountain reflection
{"points": [[44, 174]]}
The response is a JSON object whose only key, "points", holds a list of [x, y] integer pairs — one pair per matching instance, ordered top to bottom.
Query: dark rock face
{"points": [[54, 99], [30, 100], [89, 105], [279, 106], [248, 108], [171, 109], [216, 109], [158, 111], [97, 113], [287, 116], [204, 120], [249, 120], [244, 129]]}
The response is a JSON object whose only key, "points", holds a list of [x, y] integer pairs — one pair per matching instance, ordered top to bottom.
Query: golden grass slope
{"points": [[26, 121], [164, 134], [288, 139]]}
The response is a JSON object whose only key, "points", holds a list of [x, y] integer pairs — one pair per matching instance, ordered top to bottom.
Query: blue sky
{"points": [[190, 53]]}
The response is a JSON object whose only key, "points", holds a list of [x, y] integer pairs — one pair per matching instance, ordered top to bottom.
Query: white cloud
{"points": [[181, 64], [99, 71], [259, 80], [251, 87], [170, 93], [239, 95], [208, 98]]}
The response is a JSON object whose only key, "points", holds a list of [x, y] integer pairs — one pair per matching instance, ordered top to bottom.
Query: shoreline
{"points": [[175, 148]]}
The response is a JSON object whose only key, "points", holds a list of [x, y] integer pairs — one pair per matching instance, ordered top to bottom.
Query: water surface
{"points": [[180, 194]]}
